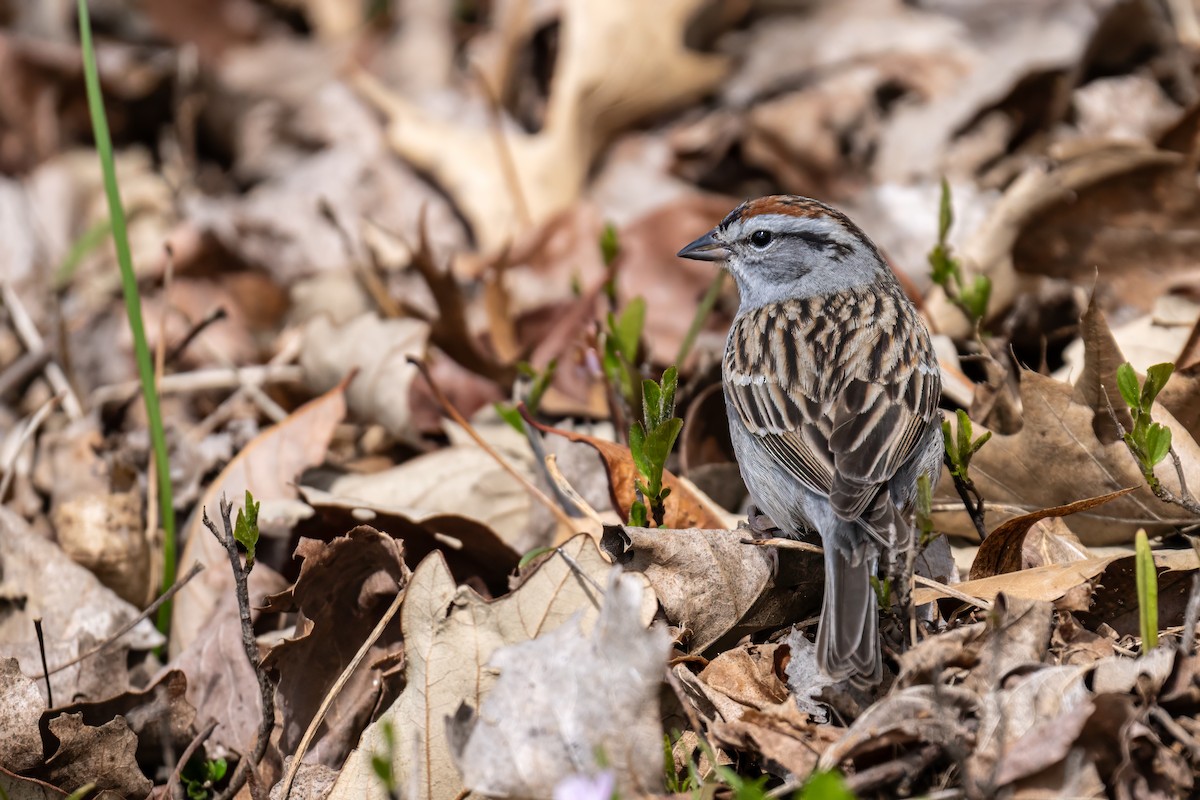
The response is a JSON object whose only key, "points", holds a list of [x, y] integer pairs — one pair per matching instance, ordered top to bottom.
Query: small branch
{"points": [[27, 332], [205, 380], [454, 414], [10, 465], [566, 490], [972, 500], [784, 544], [950, 591], [147, 612], [336, 689], [266, 690], [174, 787]]}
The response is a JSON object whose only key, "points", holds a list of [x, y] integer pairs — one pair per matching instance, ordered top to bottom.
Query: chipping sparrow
{"points": [[831, 389]]}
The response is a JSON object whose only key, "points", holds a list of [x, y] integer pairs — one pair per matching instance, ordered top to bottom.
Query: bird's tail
{"points": [[848, 636]]}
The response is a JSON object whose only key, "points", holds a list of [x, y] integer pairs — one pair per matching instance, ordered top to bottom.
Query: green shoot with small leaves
{"points": [[947, 272], [621, 343], [539, 382], [1149, 441], [650, 443], [962, 448], [245, 530], [1147, 591], [381, 763], [199, 777], [678, 781], [825, 786]]}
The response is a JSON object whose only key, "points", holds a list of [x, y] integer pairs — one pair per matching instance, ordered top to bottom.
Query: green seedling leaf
{"points": [[945, 213], [610, 244], [976, 298], [628, 329], [1156, 378], [541, 382], [670, 382], [1127, 383], [651, 404], [509, 414], [964, 435], [660, 441], [1158, 443], [637, 449], [637, 515], [245, 530], [535, 553], [1147, 591], [826, 786], [82, 792]]}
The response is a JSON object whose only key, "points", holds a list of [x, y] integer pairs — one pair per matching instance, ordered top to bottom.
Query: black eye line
{"points": [[815, 239]]}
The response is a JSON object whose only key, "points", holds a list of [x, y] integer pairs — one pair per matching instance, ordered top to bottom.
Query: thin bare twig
{"points": [[28, 333], [202, 380], [453, 413], [9, 467], [559, 481], [972, 500], [785, 544], [950, 591], [147, 612], [37, 626], [336, 689], [266, 691], [174, 787]]}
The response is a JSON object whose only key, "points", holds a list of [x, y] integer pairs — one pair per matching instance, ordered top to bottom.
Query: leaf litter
{"points": [[321, 192]]}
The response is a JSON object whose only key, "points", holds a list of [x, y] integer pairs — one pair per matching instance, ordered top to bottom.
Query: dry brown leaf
{"points": [[592, 97], [1136, 228], [991, 249], [379, 349], [1056, 457], [267, 467], [435, 485], [685, 508], [1002, 550], [473, 551], [1052, 582], [1040, 583], [714, 587], [343, 589], [77, 612], [450, 633], [158, 714], [933, 714], [781, 734], [523, 740], [20, 742], [101, 755], [28, 788]]}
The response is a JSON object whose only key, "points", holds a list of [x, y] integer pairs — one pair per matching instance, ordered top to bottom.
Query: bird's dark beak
{"points": [[706, 248]]}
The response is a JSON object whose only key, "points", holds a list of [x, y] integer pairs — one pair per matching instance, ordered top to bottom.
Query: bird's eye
{"points": [[760, 238]]}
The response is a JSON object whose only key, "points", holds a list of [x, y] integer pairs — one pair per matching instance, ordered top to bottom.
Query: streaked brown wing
{"points": [[842, 408]]}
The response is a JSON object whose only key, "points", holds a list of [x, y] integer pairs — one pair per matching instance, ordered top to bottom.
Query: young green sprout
{"points": [[946, 270], [1149, 441], [650, 443]]}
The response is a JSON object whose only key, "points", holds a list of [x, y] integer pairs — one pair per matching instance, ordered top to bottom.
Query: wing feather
{"points": [[840, 390]]}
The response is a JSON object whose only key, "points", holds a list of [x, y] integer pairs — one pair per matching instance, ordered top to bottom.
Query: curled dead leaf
{"points": [[1001, 551]]}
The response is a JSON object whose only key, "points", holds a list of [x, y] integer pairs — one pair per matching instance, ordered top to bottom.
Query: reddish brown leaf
{"points": [[1000, 552]]}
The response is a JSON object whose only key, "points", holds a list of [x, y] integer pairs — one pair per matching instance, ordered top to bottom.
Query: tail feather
{"points": [[848, 636]]}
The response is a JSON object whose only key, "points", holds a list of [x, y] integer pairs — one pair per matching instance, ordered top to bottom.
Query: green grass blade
{"points": [[133, 306], [1147, 592]]}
